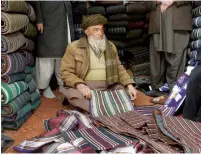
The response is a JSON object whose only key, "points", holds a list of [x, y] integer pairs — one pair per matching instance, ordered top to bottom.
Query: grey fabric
{"points": [[53, 41], [5, 142]]}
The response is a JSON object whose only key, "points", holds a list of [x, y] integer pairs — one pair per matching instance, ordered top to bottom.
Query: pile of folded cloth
{"points": [[127, 28], [195, 42], [19, 92]]}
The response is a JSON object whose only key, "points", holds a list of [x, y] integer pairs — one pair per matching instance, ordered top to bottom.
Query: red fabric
{"points": [[136, 25]]}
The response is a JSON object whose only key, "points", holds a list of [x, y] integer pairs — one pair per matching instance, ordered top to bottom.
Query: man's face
{"points": [[97, 32]]}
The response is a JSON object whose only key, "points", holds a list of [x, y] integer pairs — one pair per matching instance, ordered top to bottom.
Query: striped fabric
{"points": [[196, 4], [14, 6], [136, 8], [115, 9], [96, 10], [196, 12], [31, 13], [130, 17], [13, 22], [196, 22], [117, 23], [136, 25], [30, 30], [117, 30], [134, 34], [196, 34], [12, 42], [134, 43], [195, 44], [28, 45], [195, 55], [29, 57], [12, 63], [28, 69], [13, 77], [28, 78], [32, 86], [10, 91], [35, 96], [109, 103], [16, 104], [36, 104], [16, 124]]}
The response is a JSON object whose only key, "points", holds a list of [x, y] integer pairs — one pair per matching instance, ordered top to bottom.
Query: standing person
{"points": [[54, 23], [169, 30]]}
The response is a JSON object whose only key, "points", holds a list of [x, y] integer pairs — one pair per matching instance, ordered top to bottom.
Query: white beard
{"points": [[97, 45]]}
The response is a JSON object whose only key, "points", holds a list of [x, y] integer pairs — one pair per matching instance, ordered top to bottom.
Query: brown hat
{"points": [[91, 20]]}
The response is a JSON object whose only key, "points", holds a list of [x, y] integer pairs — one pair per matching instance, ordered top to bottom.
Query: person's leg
{"points": [[44, 71], [57, 74], [193, 96]]}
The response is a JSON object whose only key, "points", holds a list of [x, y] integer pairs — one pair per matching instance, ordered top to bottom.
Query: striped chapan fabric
{"points": [[14, 6], [196, 12], [196, 22], [196, 34], [195, 44], [29, 57], [13, 77], [32, 86], [10, 91], [35, 96], [109, 103], [16, 104]]}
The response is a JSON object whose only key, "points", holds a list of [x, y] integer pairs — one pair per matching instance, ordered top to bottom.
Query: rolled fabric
{"points": [[109, 3], [196, 4], [14, 6], [137, 8], [115, 9], [96, 10], [196, 12], [31, 13], [120, 17], [12, 22], [196, 22], [117, 23], [136, 25], [30, 30], [116, 30], [134, 34], [196, 34], [116, 37], [12, 42], [134, 43], [118, 44], [195, 44], [28, 45], [136, 49], [195, 55], [29, 57], [12, 63], [28, 69], [13, 77], [28, 78], [32, 86], [11, 91], [35, 96], [16, 104], [36, 104], [16, 124]]}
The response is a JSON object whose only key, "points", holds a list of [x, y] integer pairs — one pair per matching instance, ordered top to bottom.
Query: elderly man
{"points": [[93, 63]]}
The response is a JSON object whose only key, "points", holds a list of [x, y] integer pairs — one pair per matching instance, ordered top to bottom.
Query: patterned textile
{"points": [[196, 4], [14, 6], [136, 8], [115, 9], [96, 10], [196, 12], [31, 13], [127, 17], [12, 22], [196, 22], [117, 23], [136, 25], [30, 30], [117, 30], [134, 34], [196, 34], [12, 42], [134, 43], [118, 44], [195, 44], [28, 45], [195, 55], [29, 58], [12, 63], [139, 68], [28, 69], [13, 77], [28, 78], [142, 79], [32, 86], [10, 91], [35, 96], [109, 103], [16, 104], [36, 104], [20, 113], [16, 124], [144, 128], [5, 142]]}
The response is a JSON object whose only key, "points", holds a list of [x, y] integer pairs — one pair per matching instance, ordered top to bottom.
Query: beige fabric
{"points": [[97, 68]]}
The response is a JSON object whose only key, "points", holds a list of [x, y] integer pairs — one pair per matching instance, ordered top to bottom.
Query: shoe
{"points": [[48, 93]]}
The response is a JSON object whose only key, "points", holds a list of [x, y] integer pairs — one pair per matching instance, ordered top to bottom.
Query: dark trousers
{"points": [[192, 107]]}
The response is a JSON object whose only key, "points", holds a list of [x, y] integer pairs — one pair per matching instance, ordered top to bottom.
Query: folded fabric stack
{"points": [[195, 42], [19, 94]]}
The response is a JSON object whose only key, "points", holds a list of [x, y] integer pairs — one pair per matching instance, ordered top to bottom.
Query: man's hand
{"points": [[165, 4], [40, 27], [85, 90], [132, 92]]}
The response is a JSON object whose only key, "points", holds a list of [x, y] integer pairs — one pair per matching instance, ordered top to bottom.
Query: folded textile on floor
{"points": [[14, 6], [13, 22], [12, 42], [12, 63], [13, 77], [11, 91], [5, 142]]}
